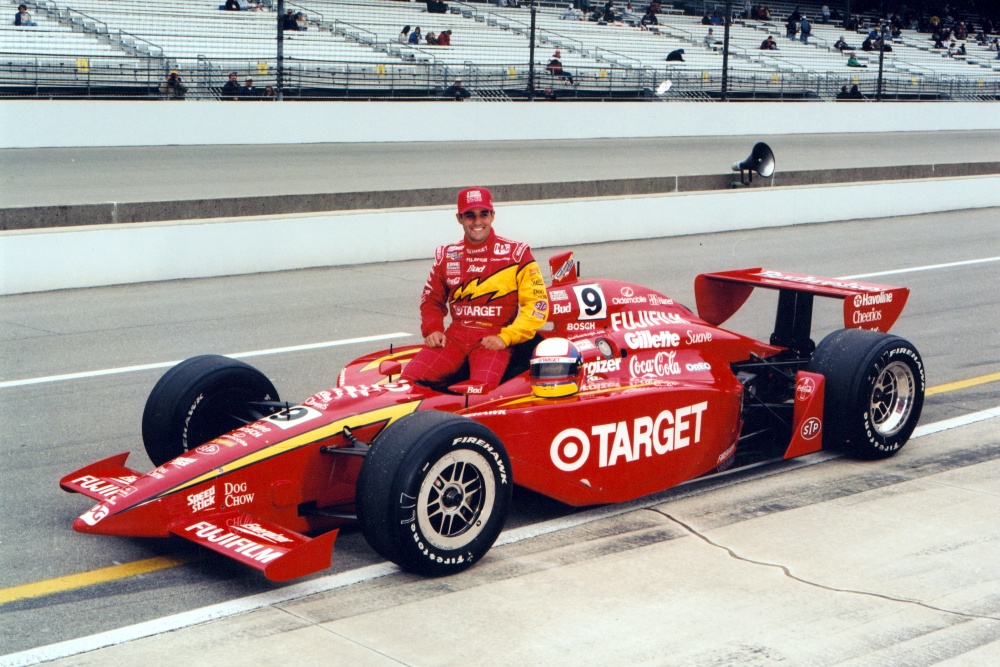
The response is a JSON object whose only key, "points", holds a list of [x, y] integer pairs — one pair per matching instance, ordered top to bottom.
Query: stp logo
{"points": [[805, 389], [811, 428]]}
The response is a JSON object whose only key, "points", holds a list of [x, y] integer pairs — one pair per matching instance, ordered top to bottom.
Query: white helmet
{"points": [[556, 368]]}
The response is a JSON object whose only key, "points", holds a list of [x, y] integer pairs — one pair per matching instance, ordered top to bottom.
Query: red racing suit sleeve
{"points": [[434, 298], [532, 302]]}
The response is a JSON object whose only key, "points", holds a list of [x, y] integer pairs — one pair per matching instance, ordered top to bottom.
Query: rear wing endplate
{"points": [[866, 305]]}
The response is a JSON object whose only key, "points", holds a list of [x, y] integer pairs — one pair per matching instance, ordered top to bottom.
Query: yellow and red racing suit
{"points": [[493, 288]]}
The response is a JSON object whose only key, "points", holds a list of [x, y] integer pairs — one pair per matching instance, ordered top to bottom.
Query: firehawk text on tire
{"points": [[874, 391], [200, 399], [433, 492]]}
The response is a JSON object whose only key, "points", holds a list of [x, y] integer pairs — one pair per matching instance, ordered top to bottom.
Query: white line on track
{"points": [[929, 267], [168, 364], [328, 583]]}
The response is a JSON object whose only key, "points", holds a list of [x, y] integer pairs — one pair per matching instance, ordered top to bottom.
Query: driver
{"points": [[493, 290]]}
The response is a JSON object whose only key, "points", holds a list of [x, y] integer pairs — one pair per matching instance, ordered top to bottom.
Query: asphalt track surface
{"points": [[67, 176], [53, 427]]}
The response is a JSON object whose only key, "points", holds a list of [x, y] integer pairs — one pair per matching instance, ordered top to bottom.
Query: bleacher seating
{"points": [[352, 45]]}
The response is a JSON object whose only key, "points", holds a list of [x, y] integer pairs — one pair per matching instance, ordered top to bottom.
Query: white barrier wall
{"points": [[36, 124], [67, 257]]}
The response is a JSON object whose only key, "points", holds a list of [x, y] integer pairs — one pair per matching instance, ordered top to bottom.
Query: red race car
{"points": [[628, 393]]}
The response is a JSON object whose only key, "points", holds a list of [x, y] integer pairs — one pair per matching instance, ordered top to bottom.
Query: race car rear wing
{"points": [[866, 305]]}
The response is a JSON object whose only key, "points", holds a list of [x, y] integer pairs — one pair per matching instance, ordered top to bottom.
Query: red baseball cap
{"points": [[470, 198]]}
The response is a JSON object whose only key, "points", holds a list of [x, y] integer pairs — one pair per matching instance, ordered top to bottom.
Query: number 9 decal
{"points": [[590, 300]]}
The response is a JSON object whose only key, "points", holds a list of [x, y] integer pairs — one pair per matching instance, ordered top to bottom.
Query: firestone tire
{"points": [[874, 391], [200, 399], [433, 492]]}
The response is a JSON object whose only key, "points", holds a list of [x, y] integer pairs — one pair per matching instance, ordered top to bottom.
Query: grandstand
{"points": [[125, 48]]}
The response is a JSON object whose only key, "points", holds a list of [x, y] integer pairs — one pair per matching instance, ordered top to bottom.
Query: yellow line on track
{"points": [[962, 384], [115, 572], [72, 581]]}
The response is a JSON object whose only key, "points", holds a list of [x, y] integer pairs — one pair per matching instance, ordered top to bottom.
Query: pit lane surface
{"points": [[67, 176], [51, 428]]}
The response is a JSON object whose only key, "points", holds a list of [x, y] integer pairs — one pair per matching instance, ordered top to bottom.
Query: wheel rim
{"points": [[892, 399], [456, 499]]}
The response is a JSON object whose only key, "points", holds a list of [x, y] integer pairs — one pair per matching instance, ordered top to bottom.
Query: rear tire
{"points": [[874, 391], [200, 399], [433, 492]]}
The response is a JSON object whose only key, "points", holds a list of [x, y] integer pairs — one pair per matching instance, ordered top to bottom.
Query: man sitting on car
{"points": [[493, 290]]}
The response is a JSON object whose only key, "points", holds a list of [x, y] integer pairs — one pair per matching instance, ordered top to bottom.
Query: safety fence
{"points": [[144, 77]]}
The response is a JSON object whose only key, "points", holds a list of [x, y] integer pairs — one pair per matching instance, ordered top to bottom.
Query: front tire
{"points": [[874, 391], [200, 399], [433, 492]]}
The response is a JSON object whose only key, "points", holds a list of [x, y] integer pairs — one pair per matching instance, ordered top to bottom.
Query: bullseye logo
{"points": [[805, 389], [811, 428], [570, 450]]}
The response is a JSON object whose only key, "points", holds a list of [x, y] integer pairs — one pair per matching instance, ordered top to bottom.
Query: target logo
{"points": [[570, 450]]}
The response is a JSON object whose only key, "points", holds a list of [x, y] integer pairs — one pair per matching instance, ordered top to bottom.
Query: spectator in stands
{"points": [[231, 6], [437, 7], [609, 11], [825, 13], [571, 14], [628, 14], [796, 15], [23, 18], [706, 18], [649, 19], [288, 21], [301, 23], [791, 27], [805, 30], [404, 35], [415, 36], [431, 39], [444, 39], [709, 40], [768, 44], [868, 44], [938, 44], [841, 45], [995, 45], [677, 55], [852, 61], [555, 68], [173, 88], [231, 90], [248, 91], [456, 91], [855, 93], [269, 94], [548, 94], [843, 94]]}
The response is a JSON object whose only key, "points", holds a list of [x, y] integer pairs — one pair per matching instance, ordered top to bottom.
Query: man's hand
{"points": [[435, 339], [493, 343]]}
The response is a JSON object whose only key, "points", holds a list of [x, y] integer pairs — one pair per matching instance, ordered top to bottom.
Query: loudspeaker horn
{"points": [[761, 160]]}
